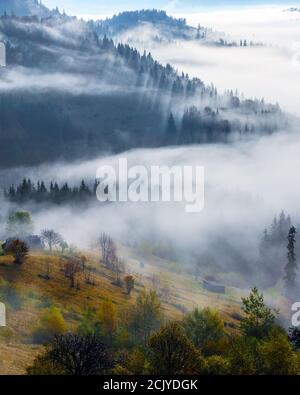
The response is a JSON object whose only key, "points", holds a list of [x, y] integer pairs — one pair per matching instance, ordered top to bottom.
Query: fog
{"points": [[270, 24], [271, 72], [33, 80], [246, 183]]}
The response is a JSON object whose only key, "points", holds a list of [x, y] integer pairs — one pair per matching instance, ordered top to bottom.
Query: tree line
{"points": [[67, 126], [27, 190], [278, 250]]}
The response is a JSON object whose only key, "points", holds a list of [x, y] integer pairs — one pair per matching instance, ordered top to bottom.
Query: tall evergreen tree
{"points": [[171, 131], [291, 267]]}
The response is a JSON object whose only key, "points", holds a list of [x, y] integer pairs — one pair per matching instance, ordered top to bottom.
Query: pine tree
{"points": [[171, 131], [291, 266]]}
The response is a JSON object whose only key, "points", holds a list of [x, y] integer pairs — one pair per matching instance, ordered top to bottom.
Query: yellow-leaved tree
{"points": [[108, 318], [51, 323]]}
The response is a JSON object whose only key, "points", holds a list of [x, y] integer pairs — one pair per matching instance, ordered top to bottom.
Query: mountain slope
{"points": [[23, 8], [153, 26], [166, 27], [146, 28], [67, 94], [178, 294]]}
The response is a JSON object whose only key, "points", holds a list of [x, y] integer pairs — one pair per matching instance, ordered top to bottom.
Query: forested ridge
{"points": [[68, 93]]}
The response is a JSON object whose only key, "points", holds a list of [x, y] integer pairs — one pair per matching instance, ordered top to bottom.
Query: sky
{"points": [[105, 8]]}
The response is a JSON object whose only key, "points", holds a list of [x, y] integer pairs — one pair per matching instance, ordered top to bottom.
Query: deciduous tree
{"points": [[51, 238], [18, 249], [172, 353]]}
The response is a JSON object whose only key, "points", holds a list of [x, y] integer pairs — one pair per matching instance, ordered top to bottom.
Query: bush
{"points": [[18, 249], [51, 323], [89, 323], [137, 363], [217, 365], [43, 366]]}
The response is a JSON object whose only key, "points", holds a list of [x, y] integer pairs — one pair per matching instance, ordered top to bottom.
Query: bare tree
{"points": [[51, 238], [108, 249], [118, 267], [71, 268]]}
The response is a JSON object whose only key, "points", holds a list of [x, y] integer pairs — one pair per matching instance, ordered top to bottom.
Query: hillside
{"points": [[24, 8], [155, 27], [164, 27], [86, 96], [179, 293]]}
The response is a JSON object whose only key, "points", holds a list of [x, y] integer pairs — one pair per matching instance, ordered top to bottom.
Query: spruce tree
{"points": [[171, 131], [291, 266]]}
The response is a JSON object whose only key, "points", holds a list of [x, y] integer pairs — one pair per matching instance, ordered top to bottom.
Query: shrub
{"points": [[18, 249], [51, 323], [89, 323], [137, 363], [217, 365], [43, 366]]}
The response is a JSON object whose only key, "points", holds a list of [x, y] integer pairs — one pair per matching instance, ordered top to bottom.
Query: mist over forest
{"points": [[209, 89], [70, 93], [105, 97]]}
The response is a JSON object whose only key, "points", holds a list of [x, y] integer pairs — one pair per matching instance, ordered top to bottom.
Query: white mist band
{"points": [[159, 184]]}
